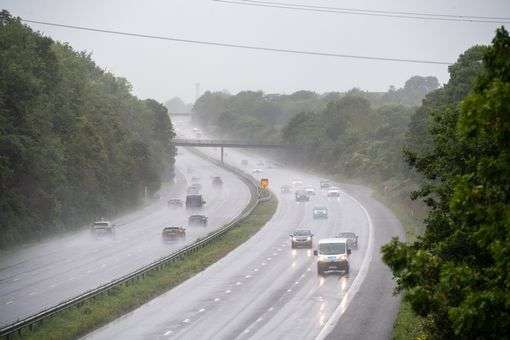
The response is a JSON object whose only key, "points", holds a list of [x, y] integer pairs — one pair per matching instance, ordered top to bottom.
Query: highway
{"points": [[41, 274], [266, 290]]}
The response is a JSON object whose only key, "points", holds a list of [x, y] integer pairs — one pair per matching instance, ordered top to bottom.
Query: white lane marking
{"points": [[279, 249], [274, 254], [269, 259], [263, 263], [103, 265], [256, 270], [89, 271], [247, 276], [16, 279], [297, 282], [238, 283], [356, 284], [52, 286], [289, 290], [228, 291], [31, 293], [217, 299], [9, 302], [270, 309], [201, 310], [259, 319], [186, 320], [246, 331], [168, 332]]}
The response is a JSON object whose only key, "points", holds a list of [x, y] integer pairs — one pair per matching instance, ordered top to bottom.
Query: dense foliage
{"points": [[258, 116], [74, 142], [458, 273]]}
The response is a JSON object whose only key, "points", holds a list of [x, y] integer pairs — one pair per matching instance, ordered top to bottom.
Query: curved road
{"points": [[40, 275], [265, 290]]}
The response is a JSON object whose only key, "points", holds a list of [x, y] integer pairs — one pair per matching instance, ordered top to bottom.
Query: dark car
{"points": [[217, 181], [325, 184], [285, 189], [302, 196], [194, 201], [175, 202], [197, 220], [171, 233], [301, 238], [352, 239]]}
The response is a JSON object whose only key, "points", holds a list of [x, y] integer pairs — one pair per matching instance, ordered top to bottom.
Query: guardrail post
{"points": [[221, 155]]}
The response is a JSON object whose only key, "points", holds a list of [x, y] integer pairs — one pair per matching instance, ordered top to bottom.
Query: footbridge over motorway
{"points": [[218, 143]]}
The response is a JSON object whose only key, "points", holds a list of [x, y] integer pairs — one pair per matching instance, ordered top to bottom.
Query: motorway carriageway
{"points": [[40, 275], [266, 290]]}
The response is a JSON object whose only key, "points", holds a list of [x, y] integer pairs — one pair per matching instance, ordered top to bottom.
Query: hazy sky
{"points": [[162, 69]]}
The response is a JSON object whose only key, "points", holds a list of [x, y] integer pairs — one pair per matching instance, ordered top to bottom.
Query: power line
{"points": [[354, 11], [248, 47]]}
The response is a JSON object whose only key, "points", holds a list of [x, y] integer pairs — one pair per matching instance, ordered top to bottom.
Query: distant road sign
{"points": [[264, 182]]}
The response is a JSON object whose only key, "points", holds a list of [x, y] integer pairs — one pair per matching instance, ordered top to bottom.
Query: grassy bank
{"points": [[76, 322]]}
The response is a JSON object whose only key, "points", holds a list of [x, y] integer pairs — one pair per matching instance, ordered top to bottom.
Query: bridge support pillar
{"points": [[221, 154]]}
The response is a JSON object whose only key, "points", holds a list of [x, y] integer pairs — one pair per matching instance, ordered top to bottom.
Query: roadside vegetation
{"points": [[75, 144], [440, 156], [76, 322]]}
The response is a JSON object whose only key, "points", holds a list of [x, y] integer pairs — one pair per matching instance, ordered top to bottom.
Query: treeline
{"points": [[255, 115], [75, 144], [457, 274]]}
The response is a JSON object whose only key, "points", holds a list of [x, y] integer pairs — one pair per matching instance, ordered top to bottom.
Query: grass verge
{"points": [[78, 321]]}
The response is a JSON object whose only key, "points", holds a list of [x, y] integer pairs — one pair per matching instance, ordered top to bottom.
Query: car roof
{"points": [[302, 230], [333, 240]]}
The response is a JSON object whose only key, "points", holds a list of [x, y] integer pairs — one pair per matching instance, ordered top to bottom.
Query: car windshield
{"points": [[320, 209], [101, 224], [302, 233], [332, 248]]}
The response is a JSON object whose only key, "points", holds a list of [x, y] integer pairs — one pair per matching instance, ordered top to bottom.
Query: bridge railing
{"points": [[232, 143]]}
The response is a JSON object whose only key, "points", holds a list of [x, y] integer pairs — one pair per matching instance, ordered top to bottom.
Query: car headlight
{"points": [[343, 257], [322, 258]]}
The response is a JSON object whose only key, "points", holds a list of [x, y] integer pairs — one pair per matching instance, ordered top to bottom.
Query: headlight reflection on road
{"points": [[294, 252], [309, 253], [293, 264], [321, 281], [343, 284]]}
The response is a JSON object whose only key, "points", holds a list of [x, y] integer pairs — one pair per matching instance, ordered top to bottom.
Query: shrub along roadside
{"points": [[76, 322]]}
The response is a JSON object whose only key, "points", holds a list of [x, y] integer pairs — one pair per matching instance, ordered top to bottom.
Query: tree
{"points": [[176, 105], [457, 273]]}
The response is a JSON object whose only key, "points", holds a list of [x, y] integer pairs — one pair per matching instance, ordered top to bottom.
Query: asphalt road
{"points": [[40, 275], [266, 290]]}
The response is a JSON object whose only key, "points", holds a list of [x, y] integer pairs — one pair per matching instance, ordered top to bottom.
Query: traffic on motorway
{"points": [[43, 274], [292, 279]]}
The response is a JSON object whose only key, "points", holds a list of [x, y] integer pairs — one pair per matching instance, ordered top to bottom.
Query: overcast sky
{"points": [[163, 69]]}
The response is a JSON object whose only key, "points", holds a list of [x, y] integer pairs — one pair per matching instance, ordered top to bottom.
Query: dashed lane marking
{"points": [[217, 299], [9, 302], [168, 332]]}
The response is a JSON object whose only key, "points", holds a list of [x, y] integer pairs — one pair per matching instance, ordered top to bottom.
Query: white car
{"points": [[256, 171], [333, 193]]}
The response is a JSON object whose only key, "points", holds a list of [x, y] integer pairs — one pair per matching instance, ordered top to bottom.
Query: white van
{"points": [[332, 254]]}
